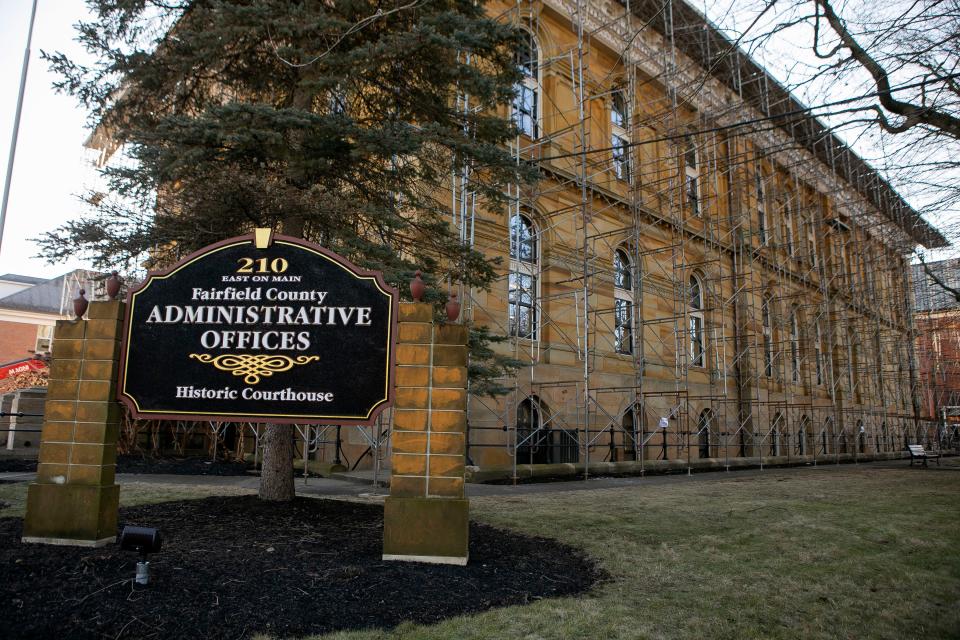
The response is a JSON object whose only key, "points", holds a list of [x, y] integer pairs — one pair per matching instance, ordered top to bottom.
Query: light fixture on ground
{"points": [[143, 540]]}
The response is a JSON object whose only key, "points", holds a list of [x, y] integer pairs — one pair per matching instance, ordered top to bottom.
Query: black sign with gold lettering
{"points": [[260, 328]]}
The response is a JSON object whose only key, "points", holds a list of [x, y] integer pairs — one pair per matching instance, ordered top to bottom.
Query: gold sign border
{"points": [[299, 418]]}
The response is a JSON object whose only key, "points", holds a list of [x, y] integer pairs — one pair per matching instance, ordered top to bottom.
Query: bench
{"points": [[917, 453]]}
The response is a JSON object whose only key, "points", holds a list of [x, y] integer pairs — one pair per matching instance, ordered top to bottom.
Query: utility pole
{"points": [[16, 123]]}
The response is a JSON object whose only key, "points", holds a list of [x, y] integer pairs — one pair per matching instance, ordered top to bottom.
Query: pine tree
{"points": [[337, 121]]}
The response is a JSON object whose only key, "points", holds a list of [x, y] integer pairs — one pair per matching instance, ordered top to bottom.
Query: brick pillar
{"points": [[74, 499], [426, 516]]}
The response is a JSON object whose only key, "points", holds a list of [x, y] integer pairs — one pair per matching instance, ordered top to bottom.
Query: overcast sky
{"points": [[49, 169]]}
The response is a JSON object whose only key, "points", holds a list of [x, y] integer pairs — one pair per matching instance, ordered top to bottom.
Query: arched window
{"points": [[526, 101], [619, 137], [691, 173], [761, 208], [523, 278], [623, 302], [767, 336], [794, 346], [818, 353], [697, 355], [704, 426], [775, 434], [802, 435], [861, 437], [533, 440], [537, 442]]}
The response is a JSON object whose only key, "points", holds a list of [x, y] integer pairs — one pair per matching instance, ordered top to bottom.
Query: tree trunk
{"points": [[276, 473]]}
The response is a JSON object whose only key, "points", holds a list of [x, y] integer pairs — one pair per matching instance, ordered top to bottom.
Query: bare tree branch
{"points": [[913, 114], [933, 276]]}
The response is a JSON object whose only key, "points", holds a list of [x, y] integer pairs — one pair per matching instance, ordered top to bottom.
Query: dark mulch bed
{"points": [[139, 464], [17, 465], [181, 466], [231, 567]]}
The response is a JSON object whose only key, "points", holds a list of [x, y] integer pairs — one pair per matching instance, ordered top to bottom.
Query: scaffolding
{"points": [[703, 271]]}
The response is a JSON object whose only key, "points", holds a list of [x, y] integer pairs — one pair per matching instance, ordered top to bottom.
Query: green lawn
{"points": [[855, 552]]}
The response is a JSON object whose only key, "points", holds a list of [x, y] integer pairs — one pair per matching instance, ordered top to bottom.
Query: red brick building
{"points": [[30, 307], [938, 345]]}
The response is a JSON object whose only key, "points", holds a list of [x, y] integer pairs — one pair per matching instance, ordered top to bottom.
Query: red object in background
{"points": [[21, 366]]}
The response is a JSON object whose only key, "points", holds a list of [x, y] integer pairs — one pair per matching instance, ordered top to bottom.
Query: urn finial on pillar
{"points": [[113, 285], [417, 287], [80, 304], [453, 308]]}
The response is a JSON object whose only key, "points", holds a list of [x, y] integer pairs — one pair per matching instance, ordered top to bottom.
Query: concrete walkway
{"points": [[361, 483]]}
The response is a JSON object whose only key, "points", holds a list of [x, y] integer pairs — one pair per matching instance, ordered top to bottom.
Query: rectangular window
{"points": [[525, 108], [619, 121], [621, 158], [692, 177], [761, 210], [788, 229], [811, 243], [523, 313], [623, 330], [44, 339], [696, 340], [767, 340], [794, 348], [818, 355]]}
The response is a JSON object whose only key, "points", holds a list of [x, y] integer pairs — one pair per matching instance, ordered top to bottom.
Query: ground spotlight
{"points": [[143, 540]]}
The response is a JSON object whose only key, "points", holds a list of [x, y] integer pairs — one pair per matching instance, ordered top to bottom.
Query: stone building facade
{"points": [[701, 273]]}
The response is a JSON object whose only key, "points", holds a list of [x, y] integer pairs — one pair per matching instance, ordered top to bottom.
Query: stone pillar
{"points": [[74, 500], [426, 516]]}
